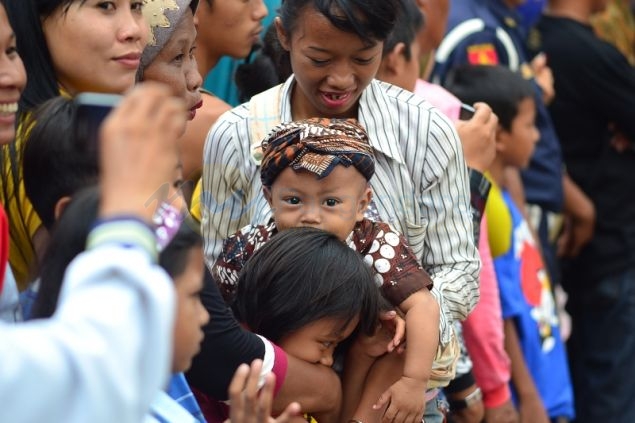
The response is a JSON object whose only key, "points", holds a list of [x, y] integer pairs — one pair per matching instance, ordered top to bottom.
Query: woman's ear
{"points": [[282, 34], [60, 206]]}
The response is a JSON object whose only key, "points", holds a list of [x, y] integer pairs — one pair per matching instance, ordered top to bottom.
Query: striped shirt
{"points": [[420, 186]]}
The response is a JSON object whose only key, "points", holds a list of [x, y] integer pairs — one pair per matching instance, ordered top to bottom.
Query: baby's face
{"points": [[334, 203]]}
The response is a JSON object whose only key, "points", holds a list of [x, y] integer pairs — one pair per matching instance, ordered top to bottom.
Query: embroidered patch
{"points": [[482, 54]]}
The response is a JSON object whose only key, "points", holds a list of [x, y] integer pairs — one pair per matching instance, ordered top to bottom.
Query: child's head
{"points": [[400, 64], [511, 97], [60, 158], [57, 162], [315, 173], [183, 260], [307, 291]]}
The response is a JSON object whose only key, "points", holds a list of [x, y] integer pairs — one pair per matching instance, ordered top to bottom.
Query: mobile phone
{"points": [[92, 109], [466, 112]]}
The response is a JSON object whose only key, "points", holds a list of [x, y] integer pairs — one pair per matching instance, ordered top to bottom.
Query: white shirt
{"points": [[420, 187], [104, 354]]}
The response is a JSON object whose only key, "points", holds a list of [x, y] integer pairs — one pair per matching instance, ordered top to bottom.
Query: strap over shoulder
{"points": [[264, 112]]}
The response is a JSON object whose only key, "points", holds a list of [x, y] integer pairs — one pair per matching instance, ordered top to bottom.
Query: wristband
{"points": [[474, 397]]}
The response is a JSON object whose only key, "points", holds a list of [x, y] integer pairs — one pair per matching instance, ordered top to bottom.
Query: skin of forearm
{"points": [[576, 202], [422, 334], [356, 369], [521, 378], [314, 386]]}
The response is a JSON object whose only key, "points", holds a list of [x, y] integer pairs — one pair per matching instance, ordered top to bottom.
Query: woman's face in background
{"points": [[230, 27], [96, 45], [175, 65], [12, 79]]}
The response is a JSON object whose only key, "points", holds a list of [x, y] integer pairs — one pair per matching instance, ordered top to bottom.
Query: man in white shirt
{"points": [[106, 352]]}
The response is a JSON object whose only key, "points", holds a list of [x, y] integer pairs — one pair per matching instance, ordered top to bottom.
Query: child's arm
{"points": [[356, 368], [362, 381], [406, 397], [531, 408]]}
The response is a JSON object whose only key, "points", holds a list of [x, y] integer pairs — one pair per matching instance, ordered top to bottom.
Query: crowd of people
{"points": [[420, 211]]}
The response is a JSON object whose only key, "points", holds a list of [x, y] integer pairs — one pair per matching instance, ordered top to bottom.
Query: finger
{"points": [[539, 62], [483, 112], [387, 315], [400, 330], [238, 381], [251, 388], [266, 398], [382, 401], [237, 411], [289, 413], [391, 414]]}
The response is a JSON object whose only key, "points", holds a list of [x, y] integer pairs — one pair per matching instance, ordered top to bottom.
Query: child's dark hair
{"points": [[371, 20], [407, 25], [499, 87], [57, 162], [68, 240], [173, 259], [302, 275]]}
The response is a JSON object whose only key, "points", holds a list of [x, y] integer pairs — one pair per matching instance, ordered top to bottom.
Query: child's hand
{"points": [[391, 321], [375, 345], [406, 401], [247, 406]]}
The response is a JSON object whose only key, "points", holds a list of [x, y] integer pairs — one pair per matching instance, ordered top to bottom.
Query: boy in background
{"points": [[540, 377]]}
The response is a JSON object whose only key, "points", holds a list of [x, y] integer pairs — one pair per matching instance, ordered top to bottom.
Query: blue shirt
{"points": [[487, 32], [527, 299], [179, 390]]}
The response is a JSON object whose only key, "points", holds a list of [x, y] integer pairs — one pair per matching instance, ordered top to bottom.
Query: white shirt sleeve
{"points": [[103, 355]]}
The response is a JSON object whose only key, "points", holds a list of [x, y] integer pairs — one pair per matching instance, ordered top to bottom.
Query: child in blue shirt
{"points": [[540, 376]]}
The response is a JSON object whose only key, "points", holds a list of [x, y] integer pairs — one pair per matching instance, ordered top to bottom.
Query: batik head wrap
{"points": [[316, 145]]}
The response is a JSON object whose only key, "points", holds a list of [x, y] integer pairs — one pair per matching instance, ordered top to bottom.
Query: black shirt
{"points": [[595, 91]]}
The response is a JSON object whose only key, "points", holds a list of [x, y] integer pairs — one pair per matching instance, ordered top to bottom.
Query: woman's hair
{"points": [[26, 18], [371, 20], [408, 23], [499, 87], [57, 160], [68, 240], [300, 276]]}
